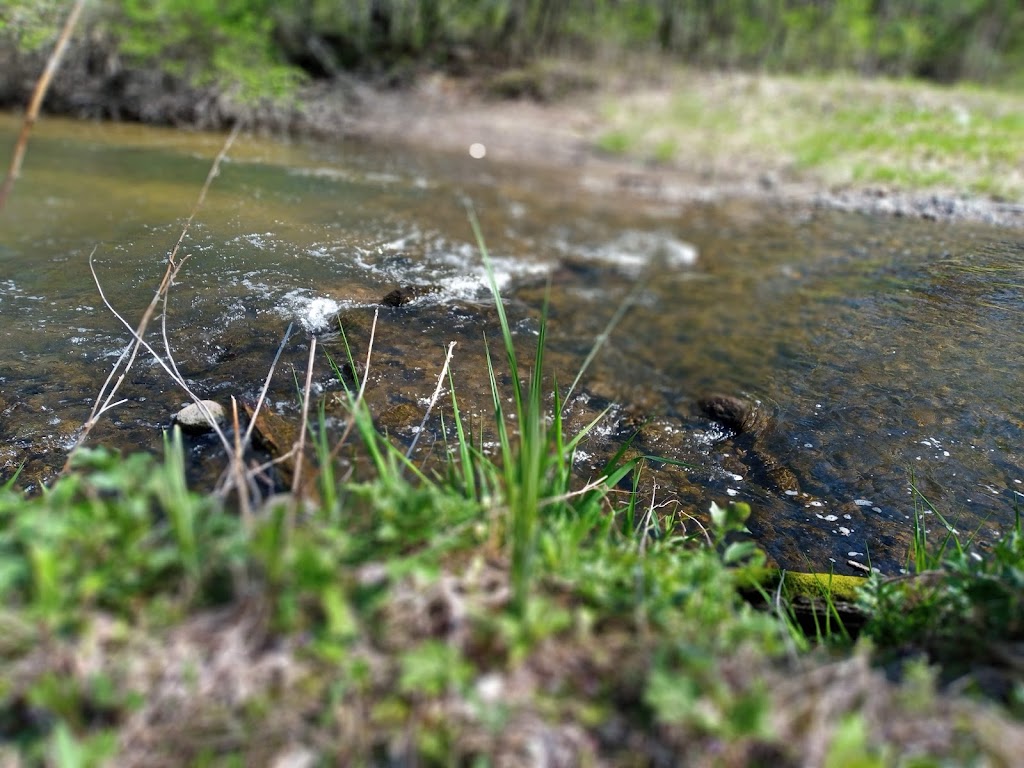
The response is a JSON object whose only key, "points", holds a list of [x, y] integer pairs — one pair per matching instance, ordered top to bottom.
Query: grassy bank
{"points": [[833, 131], [492, 613]]}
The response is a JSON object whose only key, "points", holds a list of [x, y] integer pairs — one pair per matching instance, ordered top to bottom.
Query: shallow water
{"points": [[887, 350]]}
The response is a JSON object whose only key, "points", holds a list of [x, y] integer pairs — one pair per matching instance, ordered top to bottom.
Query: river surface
{"points": [[886, 351]]}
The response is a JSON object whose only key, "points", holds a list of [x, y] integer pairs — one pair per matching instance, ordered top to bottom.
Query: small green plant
{"points": [[615, 142], [665, 151], [536, 473], [117, 529], [959, 606], [68, 751]]}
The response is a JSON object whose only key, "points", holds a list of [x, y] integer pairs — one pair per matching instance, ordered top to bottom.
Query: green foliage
{"points": [[31, 24], [227, 43], [261, 49], [903, 135], [615, 142], [536, 472], [122, 530], [960, 607], [433, 669], [850, 749], [68, 751]]}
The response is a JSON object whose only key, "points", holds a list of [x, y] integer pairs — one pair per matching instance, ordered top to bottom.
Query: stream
{"points": [[883, 352]]}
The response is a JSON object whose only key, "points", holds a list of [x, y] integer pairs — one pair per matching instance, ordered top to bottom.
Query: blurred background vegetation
{"points": [[265, 46]]}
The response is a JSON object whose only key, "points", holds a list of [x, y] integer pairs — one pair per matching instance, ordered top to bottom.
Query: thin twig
{"points": [[42, 86], [214, 170], [602, 337], [369, 352], [175, 377], [266, 385], [433, 399], [104, 400], [300, 445], [238, 469], [229, 477], [547, 501], [647, 520]]}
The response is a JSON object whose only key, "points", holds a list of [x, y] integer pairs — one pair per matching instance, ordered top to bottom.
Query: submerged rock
{"points": [[404, 294], [398, 297], [735, 413], [192, 418], [399, 418], [751, 422]]}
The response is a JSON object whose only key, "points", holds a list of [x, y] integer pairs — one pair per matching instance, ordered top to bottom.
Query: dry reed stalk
{"points": [[36, 102], [168, 367], [266, 385], [433, 398], [104, 400], [300, 444], [238, 471]]}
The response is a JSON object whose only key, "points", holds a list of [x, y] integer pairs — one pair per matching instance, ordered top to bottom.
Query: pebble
{"points": [[192, 419]]}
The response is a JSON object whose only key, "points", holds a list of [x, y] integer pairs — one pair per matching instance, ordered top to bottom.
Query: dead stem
{"points": [[42, 86], [171, 372], [266, 385], [433, 399], [104, 400], [300, 445], [238, 471]]}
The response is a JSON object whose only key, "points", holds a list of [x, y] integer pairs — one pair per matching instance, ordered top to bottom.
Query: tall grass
{"points": [[536, 465]]}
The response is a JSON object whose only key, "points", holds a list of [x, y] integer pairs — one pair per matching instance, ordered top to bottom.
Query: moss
{"points": [[815, 585]]}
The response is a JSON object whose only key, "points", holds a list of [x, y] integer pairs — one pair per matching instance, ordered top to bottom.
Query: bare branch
{"points": [[42, 86], [175, 377], [266, 385], [433, 399], [104, 400], [300, 445], [238, 469]]}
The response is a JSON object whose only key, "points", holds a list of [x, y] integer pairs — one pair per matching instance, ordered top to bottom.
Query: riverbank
{"points": [[641, 127], [679, 135]]}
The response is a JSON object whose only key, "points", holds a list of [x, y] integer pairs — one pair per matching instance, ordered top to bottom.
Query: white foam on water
{"points": [[335, 174], [261, 240], [634, 250], [314, 313]]}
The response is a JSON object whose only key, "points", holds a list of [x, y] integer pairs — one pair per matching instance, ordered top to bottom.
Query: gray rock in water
{"points": [[735, 413], [192, 419]]}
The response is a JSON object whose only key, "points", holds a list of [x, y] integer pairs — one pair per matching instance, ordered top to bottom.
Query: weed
{"points": [[615, 142], [536, 474], [126, 530], [962, 608]]}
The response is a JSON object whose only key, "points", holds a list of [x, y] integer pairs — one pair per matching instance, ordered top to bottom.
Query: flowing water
{"points": [[884, 351]]}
